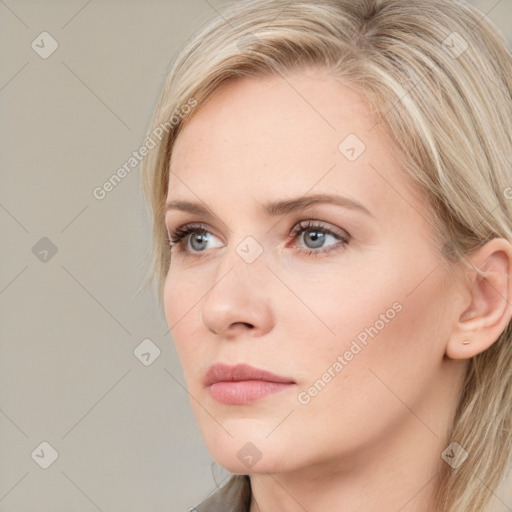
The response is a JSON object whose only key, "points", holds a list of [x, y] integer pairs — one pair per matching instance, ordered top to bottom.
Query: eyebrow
{"points": [[275, 208]]}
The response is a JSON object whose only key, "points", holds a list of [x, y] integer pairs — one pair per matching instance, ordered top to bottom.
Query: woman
{"points": [[332, 202]]}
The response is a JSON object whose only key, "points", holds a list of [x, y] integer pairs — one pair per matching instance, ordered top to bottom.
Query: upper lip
{"points": [[223, 372]]}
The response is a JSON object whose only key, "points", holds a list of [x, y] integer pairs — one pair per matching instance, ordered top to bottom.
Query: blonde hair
{"points": [[438, 75]]}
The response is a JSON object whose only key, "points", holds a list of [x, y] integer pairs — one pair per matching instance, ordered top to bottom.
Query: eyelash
{"points": [[178, 236]]}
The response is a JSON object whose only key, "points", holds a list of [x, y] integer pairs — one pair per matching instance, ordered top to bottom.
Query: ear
{"points": [[489, 293]]}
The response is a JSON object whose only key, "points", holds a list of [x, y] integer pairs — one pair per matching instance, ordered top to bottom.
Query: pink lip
{"points": [[242, 384]]}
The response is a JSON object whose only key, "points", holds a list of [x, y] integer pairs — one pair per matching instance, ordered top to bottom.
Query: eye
{"points": [[183, 235], [315, 235], [193, 239]]}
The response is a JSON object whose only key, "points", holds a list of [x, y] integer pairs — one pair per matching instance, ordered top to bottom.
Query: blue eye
{"points": [[316, 234], [182, 235], [192, 239]]}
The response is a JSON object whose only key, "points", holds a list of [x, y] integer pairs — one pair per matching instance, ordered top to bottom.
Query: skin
{"points": [[372, 438]]}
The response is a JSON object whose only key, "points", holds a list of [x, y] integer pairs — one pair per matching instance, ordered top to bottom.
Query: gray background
{"points": [[70, 321]]}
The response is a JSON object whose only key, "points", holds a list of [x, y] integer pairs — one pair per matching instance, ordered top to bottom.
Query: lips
{"points": [[223, 372], [243, 384]]}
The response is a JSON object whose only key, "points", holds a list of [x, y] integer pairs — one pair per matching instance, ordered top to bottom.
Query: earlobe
{"points": [[490, 295]]}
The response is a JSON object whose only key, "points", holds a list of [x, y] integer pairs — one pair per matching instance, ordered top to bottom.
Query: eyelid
{"points": [[311, 224]]}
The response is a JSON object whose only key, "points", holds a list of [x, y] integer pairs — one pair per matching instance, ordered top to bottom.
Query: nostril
{"points": [[244, 323]]}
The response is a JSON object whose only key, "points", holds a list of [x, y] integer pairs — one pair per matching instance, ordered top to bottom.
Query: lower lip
{"points": [[245, 391]]}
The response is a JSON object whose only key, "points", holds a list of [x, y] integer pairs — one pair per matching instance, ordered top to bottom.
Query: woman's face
{"points": [[347, 300]]}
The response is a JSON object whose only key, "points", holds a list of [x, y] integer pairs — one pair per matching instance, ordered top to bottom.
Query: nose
{"points": [[237, 303]]}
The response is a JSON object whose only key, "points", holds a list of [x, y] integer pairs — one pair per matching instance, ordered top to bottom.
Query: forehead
{"points": [[271, 118], [282, 136]]}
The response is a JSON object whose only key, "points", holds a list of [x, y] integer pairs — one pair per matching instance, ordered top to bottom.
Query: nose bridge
{"points": [[243, 265], [238, 294]]}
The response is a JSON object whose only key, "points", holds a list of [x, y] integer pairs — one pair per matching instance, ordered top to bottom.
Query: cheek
{"points": [[183, 290], [388, 295], [182, 297], [331, 307], [174, 308], [387, 351]]}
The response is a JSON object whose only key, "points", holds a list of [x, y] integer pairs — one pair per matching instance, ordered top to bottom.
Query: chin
{"points": [[241, 455], [266, 464]]}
